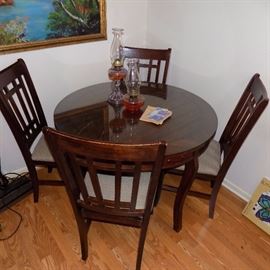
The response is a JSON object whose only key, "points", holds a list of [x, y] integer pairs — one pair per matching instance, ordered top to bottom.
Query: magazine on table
{"points": [[155, 115]]}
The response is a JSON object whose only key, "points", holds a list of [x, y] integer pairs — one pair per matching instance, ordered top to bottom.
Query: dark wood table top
{"points": [[192, 125]]}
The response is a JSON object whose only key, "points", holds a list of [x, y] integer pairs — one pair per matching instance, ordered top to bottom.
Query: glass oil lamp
{"points": [[117, 72], [133, 100]]}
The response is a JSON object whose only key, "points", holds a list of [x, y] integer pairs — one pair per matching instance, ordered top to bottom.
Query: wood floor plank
{"points": [[48, 238]]}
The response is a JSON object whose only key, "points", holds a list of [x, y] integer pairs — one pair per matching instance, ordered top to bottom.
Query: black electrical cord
{"points": [[15, 176], [10, 177], [3, 180], [17, 227]]}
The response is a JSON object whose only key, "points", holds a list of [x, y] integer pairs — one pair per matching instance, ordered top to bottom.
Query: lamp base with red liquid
{"points": [[116, 74], [133, 104]]}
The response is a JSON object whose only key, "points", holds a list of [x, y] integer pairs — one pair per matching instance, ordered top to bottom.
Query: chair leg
{"points": [[50, 168], [191, 168], [35, 184], [36, 195], [213, 198], [83, 226], [141, 245]]}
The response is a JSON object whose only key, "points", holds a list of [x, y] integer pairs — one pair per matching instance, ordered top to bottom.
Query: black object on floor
{"points": [[14, 189]]}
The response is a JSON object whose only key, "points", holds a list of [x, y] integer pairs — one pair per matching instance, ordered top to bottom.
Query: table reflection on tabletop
{"points": [[86, 113], [102, 120]]}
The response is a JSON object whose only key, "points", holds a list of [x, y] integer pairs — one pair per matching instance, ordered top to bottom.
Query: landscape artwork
{"points": [[33, 24]]}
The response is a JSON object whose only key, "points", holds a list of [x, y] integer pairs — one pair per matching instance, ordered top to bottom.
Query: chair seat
{"points": [[41, 151], [210, 160], [107, 188]]}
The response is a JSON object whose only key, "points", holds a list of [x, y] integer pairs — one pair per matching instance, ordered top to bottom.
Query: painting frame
{"points": [[61, 41], [257, 209]]}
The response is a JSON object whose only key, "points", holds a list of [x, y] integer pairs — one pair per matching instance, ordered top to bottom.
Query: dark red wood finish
{"points": [[154, 61], [20, 105], [249, 108], [188, 131], [75, 156]]}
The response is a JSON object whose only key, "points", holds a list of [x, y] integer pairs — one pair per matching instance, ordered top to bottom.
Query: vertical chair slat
{"points": [[149, 70], [157, 71], [29, 101], [95, 181], [118, 181], [135, 186]]}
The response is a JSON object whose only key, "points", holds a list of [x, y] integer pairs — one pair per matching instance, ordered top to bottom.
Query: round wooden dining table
{"points": [[86, 113]]}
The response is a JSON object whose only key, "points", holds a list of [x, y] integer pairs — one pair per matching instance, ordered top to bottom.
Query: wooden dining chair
{"points": [[154, 62], [21, 108], [215, 162], [106, 182]]}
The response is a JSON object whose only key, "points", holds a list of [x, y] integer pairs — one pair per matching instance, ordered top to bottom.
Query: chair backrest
{"points": [[154, 61], [20, 105], [246, 113], [107, 180]]}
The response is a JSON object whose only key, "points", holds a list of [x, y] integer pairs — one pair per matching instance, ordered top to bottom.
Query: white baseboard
{"points": [[21, 170], [236, 190]]}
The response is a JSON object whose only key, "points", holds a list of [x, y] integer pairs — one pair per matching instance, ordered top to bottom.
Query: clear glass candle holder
{"points": [[133, 100]]}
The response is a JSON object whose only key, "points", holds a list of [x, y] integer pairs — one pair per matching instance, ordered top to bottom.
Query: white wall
{"points": [[216, 47], [58, 71]]}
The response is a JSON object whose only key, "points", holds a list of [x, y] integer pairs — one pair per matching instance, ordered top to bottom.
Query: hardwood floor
{"points": [[48, 237]]}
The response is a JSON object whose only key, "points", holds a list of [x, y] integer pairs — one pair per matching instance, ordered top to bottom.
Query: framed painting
{"points": [[32, 24], [257, 209]]}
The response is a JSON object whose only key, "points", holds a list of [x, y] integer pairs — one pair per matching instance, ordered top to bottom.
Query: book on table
{"points": [[155, 115]]}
